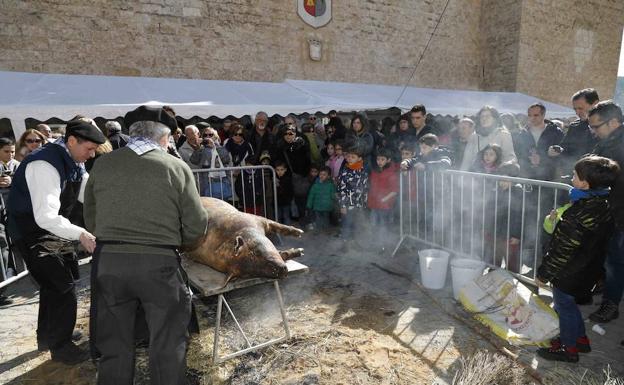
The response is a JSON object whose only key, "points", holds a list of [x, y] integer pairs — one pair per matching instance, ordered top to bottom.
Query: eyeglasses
{"points": [[312, 118], [597, 126], [290, 133], [238, 134], [209, 135], [31, 141]]}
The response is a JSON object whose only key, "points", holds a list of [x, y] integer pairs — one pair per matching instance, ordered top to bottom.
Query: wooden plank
{"points": [[210, 282]]}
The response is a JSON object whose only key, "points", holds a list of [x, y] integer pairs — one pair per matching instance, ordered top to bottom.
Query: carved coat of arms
{"points": [[317, 13]]}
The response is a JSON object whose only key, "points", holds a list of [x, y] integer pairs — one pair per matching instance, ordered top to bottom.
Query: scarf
{"points": [[141, 145], [356, 166], [578, 194]]}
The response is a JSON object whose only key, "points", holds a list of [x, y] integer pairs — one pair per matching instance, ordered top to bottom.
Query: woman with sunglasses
{"points": [[30, 140], [239, 148]]}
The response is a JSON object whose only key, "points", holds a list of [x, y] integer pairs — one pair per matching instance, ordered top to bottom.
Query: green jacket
{"points": [[321, 196], [150, 199]]}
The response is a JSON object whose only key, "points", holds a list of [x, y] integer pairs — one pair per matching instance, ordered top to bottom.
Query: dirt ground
{"points": [[357, 317]]}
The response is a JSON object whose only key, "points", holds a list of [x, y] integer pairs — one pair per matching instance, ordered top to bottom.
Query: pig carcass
{"points": [[237, 243]]}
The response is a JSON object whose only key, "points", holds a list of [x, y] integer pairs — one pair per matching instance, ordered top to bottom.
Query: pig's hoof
{"points": [[291, 253]]}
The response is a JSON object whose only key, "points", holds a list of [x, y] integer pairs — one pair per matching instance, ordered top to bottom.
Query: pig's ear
{"points": [[239, 244]]}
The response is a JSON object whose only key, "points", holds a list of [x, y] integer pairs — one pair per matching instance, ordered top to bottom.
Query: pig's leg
{"points": [[278, 228], [291, 253]]}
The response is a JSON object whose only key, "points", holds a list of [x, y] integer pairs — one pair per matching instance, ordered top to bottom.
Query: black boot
{"points": [[69, 354]]}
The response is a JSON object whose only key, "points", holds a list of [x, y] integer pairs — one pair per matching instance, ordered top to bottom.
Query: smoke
{"points": [[495, 219]]}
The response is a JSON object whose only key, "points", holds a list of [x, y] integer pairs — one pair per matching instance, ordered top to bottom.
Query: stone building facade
{"points": [[544, 48]]}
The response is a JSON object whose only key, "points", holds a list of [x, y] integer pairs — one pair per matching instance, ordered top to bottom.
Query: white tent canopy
{"points": [[42, 96]]}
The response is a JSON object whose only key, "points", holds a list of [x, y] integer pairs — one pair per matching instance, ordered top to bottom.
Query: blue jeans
{"points": [[283, 214], [614, 266], [571, 324]]}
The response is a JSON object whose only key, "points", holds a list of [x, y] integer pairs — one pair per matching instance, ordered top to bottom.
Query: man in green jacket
{"points": [[321, 198], [142, 205]]}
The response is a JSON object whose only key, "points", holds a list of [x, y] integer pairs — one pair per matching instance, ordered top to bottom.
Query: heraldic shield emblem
{"points": [[317, 13]]}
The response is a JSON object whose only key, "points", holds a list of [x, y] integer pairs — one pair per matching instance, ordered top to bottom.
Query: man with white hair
{"points": [[115, 137], [260, 138], [190, 145], [136, 261]]}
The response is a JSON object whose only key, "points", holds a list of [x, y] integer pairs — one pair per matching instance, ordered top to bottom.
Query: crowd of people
{"points": [[339, 171]]}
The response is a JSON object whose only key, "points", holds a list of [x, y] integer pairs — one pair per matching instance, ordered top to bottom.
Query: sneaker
{"points": [[607, 312], [582, 344], [69, 354], [559, 354]]}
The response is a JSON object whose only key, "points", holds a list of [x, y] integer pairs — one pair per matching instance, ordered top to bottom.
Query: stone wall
{"points": [[500, 40], [374, 41], [480, 44]]}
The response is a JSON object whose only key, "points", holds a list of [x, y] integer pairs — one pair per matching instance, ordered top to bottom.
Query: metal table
{"points": [[209, 282]]}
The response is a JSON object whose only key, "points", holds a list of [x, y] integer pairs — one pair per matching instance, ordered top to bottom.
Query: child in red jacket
{"points": [[382, 195]]}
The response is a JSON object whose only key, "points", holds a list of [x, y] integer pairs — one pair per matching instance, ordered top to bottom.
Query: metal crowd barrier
{"points": [[251, 188], [472, 214]]}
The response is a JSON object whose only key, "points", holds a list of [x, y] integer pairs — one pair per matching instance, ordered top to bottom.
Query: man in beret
{"points": [[45, 189], [136, 261]]}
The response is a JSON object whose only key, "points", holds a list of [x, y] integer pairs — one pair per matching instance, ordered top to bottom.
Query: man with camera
{"points": [[260, 138]]}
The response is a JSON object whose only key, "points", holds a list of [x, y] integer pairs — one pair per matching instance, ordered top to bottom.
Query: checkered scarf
{"points": [[142, 145]]}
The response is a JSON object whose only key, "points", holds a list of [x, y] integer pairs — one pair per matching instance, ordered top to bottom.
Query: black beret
{"points": [[150, 114], [202, 125], [84, 130]]}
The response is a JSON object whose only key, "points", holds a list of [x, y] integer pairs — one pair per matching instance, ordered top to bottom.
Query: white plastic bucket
{"points": [[433, 267], [463, 271]]}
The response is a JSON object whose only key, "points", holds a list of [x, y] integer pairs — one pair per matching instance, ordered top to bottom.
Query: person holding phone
{"points": [[8, 164]]}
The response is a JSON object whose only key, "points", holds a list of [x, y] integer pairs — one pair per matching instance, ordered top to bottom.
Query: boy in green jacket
{"points": [[321, 198]]}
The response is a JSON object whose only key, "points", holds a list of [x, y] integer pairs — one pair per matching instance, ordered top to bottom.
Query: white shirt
{"points": [[44, 184]]}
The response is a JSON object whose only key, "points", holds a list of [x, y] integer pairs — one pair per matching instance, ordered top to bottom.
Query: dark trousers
{"points": [[321, 219], [352, 222], [614, 264], [156, 282], [57, 294], [571, 326]]}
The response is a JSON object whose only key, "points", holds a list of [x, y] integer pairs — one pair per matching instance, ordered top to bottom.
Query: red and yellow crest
{"points": [[317, 13]]}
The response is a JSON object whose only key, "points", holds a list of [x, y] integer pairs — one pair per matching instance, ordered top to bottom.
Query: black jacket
{"points": [[427, 129], [266, 142], [577, 142], [613, 148], [296, 155], [437, 160], [546, 170], [285, 192], [576, 252]]}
